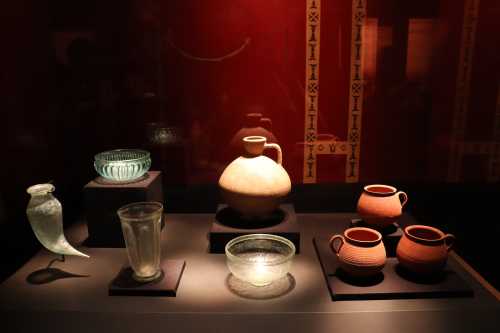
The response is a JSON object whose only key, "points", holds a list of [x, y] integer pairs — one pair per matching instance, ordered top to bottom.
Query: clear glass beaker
{"points": [[141, 226]]}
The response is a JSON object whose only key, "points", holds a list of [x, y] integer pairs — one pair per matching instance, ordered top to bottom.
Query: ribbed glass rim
{"points": [[101, 156], [122, 211], [269, 237]]}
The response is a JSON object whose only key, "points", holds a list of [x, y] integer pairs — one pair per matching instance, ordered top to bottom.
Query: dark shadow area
{"points": [[230, 218], [390, 229], [50, 274], [436, 278], [366, 281], [276, 289]]}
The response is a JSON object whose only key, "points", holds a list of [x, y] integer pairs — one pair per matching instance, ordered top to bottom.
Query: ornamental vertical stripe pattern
{"points": [[471, 13], [313, 27], [356, 92], [494, 162]]}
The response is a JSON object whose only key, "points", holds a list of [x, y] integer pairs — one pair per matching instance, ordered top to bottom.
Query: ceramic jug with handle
{"points": [[254, 185], [381, 205], [424, 249], [360, 251]]}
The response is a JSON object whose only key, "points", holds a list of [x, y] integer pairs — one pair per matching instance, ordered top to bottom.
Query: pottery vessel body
{"points": [[255, 125], [254, 185], [381, 205], [44, 213], [423, 249], [360, 251]]}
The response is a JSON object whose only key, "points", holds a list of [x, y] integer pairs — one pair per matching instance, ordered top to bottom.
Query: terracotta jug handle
{"points": [[279, 160], [405, 198], [449, 240], [332, 243]]}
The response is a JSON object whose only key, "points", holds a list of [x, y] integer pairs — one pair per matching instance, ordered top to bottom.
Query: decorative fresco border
{"points": [[313, 30], [356, 91], [462, 92], [313, 145], [459, 147], [494, 161]]}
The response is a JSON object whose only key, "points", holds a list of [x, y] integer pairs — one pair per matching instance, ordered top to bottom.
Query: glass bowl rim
{"points": [[146, 154], [269, 237]]}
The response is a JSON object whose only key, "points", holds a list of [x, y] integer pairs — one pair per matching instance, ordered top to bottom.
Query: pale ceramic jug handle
{"points": [[279, 160], [405, 198], [449, 240], [332, 243]]}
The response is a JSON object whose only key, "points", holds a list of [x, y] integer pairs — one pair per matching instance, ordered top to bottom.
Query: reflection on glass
{"points": [[160, 134], [122, 165], [44, 212], [141, 226], [259, 259]]}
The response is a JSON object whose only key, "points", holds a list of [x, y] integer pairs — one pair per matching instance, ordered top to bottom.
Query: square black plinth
{"points": [[102, 200], [228, 225], [390, 235], [392, 283], [165, 285]]}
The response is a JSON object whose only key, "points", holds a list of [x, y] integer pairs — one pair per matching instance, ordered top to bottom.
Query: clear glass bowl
{"points": [[122, 165], [259, 259]]}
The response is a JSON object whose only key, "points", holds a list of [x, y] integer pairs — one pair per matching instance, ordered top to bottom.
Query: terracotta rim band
{"points": [[392, 189], [437, 241], [362, 243]]}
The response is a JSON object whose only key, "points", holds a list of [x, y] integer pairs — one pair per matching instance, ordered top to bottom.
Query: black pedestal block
{"points": [[102, 200], [228, 224], [392, 283], [165, 285]]}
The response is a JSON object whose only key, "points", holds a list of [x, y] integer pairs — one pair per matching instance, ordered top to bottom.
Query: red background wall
{"points": [[136, 62]]}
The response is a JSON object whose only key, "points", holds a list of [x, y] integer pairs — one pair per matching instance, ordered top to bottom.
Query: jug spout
{"points": [[254, 145]]}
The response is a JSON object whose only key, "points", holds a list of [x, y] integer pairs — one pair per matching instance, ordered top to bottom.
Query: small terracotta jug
{"points": [[255, 125], [381, 205], [424, 249], [360, 251]]}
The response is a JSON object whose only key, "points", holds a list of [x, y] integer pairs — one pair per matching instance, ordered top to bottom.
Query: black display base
{"points": [[102, 200], [228, 224], [390, 235], [392, 283], [165, 285]]}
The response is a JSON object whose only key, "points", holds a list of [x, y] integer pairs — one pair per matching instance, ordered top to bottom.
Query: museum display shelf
{"points": [[75, 297]]}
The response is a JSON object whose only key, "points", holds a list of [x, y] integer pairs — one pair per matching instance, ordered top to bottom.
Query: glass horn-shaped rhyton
{"points": [[45, 216]]}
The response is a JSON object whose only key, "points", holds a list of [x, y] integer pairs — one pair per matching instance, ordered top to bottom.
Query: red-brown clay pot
{"points": [[255, 125], [381, 205], [424, 249], [360, 251]]}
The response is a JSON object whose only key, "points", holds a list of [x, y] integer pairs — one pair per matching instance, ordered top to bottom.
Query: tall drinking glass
{"points": [[141, 226]]}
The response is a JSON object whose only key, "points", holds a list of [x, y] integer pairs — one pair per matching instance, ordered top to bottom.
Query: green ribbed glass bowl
{"points": [[122, 165]]}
